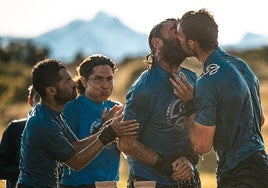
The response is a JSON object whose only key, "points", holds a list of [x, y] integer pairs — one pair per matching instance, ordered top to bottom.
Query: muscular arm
{"points": [[201, 136], [84, 143], [132, 147], [87, 149], [83, 155]]}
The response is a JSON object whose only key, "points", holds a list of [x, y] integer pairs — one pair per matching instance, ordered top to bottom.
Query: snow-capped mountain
{"points": [[103, 34]]}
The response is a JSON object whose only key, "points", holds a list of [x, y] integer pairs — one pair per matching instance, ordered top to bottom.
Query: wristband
{"points": [[189, 107], [107, 135], [164, 164]]}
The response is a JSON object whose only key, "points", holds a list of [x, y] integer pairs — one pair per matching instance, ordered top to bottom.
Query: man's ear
{"points": [[157, 42], [191, 44], [84, 81], [51, 91], [30, 101]]}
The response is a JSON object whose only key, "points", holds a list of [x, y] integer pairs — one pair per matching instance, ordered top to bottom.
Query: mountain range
{"points": [[103, 34], [107, 35]]}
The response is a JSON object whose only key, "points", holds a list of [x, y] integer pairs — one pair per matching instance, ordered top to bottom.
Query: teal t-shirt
{"points": [[226, 95], [83, 116], [163, 122], [46, 140]]}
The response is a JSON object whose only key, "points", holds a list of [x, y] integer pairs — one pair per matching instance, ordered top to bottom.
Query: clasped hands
{"points": [[113, 125], [176, 166], [182, 169]]}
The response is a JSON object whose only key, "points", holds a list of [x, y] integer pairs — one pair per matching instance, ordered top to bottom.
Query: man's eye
{"points": [[98, 78]]}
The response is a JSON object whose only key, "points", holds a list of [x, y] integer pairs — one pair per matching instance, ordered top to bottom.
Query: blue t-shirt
{"points": [[226, 95], [83, 116], [162, 118], [46, 140]]}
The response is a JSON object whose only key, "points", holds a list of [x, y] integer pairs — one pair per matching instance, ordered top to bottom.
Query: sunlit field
{"points": [[206, 167]]}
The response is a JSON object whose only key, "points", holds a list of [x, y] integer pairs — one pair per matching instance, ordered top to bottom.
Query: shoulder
{"points": [[187, 70], [189, 73], [141, 82], [141, 90], [74, 102], [73, 105], [16, 123], [13, 127]]}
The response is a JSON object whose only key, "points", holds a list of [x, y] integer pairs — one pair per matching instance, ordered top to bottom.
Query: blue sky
{"points": [[29, 18]]}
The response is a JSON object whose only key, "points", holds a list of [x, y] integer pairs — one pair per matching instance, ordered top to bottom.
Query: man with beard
{"points": [[225, 110], [163, 135], [47, 140]]}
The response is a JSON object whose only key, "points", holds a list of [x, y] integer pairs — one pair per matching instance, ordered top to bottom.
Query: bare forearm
{"points": [[191, 127], [193, 136], [201, 136], [82, 144], [138, 151], [144, 154], [85, 155]]}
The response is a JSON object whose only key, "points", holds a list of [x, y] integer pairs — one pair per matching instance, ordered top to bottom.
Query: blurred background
{"points": [[31, 30]]}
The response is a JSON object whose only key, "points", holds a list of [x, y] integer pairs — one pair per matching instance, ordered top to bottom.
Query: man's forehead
{"points": [[65, 74]]}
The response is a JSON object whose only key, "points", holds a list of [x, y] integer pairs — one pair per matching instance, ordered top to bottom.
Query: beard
{"points": [[172, 51], [62, 97]]}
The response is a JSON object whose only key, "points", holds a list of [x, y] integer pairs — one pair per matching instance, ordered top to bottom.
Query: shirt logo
{"points": [[212, 69], [176, 117]]}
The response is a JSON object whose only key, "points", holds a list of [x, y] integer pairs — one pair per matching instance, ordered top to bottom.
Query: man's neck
{"points": [[203, 55], [169, 67], [53, 105]]}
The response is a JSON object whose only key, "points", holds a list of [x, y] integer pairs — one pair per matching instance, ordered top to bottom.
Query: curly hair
{"points": [[46, 73]]}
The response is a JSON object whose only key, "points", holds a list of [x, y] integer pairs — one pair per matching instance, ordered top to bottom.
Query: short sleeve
{"points": [[205, 98], [138, 106], [57, 141]]}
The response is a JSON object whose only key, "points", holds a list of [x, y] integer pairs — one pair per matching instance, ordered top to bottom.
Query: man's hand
{"points": [[182, 88], [184, 91], [112, 113], [117, 128], [124, 128], [164, 163], [182, 169]]}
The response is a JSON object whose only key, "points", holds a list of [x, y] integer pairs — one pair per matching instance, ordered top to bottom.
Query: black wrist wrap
{"points": [[189, 107], [107, 135], [164, 163]]}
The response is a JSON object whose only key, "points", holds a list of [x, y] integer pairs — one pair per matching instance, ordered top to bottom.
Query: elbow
{"points": [[202, 149], [75, 163], [76, 168]]}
